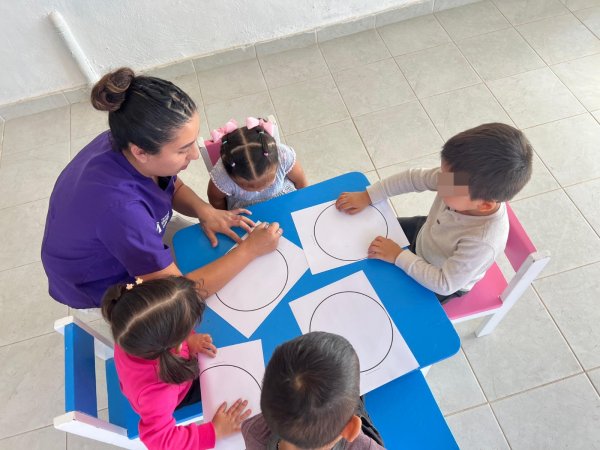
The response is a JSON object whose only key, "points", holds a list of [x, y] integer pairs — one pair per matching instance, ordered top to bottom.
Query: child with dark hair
{"points": [[253, 168], [467, 226], [152, 324], [310, 399]]}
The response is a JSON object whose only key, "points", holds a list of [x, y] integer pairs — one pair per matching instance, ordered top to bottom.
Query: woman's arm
{"points": [[297, 176], [216, 198], [212, 277]]}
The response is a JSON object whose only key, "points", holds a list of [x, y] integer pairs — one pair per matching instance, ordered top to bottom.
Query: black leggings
{"points": [[411, 227]]}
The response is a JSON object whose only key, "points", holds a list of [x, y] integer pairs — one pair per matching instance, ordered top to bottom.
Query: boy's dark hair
{"points": [[144, 111], [248, 153], [496, 158], [152, 318], [311, 389]]}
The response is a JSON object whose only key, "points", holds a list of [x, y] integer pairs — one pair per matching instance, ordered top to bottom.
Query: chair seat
{"points": [[485, 296]]}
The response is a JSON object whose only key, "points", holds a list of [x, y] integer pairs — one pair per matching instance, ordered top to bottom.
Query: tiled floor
{"points": [[379, 101]]}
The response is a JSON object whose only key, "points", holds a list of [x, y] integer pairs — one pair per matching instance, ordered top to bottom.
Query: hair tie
{"points": [[266, 153], [232, 164], [130, 286]]}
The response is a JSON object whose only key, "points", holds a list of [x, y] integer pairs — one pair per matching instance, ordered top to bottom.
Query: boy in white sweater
{"points": [[467, 226]]}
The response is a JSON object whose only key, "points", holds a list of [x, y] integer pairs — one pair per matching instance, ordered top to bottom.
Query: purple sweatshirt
{"points": [[104, 226]]}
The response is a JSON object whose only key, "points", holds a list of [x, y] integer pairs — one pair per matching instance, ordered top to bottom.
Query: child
{"points": [[253, 168], [467, 226], [152, 324], [310, 399]]}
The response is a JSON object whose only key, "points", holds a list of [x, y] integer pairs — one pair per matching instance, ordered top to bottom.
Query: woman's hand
{"points": [[353, 202], [215, 221], [263, 239], [384, 249], [201, 343], [228, 421]]}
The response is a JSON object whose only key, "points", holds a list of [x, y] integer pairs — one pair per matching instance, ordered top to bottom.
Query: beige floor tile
{"points": [[576, 5], [522, 11], [591, 19], [472, 20], [413, 35], [560, 38], [357, 49], [500, 54], [293, 66], [437, 70], [582, 77], [232, 81], [373, 87], [534, 98], [254, 105], [308, 105], [462, 109], [86, 120], [29, 132], [398, 134], [77, 144], [569, 148], [330, 151], [30, 175], [196, 176], [586, 197], [555, 224], [21, 229], [25, 290], [572, 299], [524, 351], [595, 378], [453, 385], [31, 386], [562, 415], [477, 429], [47, 438]]}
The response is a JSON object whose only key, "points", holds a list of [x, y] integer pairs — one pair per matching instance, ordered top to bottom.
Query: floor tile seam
{"points": [[539, 19], [583, 23], [562, 61], [413, 91], [269, 95], [202, 98], [348, 110], [23, 149], [408, 161], [24, 203], [583, 216], [566, 270], [554, 321], [27, 339], [594, 387], [533, 388], [4, 438]]}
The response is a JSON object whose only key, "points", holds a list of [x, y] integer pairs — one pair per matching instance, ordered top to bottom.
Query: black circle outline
{"points": [[387, 229], [287, 277], [374, 301], [237, 367]]}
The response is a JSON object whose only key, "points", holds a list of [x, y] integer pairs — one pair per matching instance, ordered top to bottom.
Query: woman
{"points": [[111, 204]]}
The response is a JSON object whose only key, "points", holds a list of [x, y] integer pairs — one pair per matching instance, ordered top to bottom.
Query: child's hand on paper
{"points": [[352, 202], [384, 249], [201, 343], [228, 421]]}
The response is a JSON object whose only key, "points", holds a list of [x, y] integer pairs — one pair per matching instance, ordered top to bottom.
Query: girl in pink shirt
{"points": [[155, 355]]}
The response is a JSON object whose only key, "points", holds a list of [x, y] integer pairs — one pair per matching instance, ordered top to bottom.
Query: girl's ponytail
{"points": [[175, 369]]}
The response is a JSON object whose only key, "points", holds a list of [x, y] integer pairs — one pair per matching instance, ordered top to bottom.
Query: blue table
{"points": [[414, 309]]}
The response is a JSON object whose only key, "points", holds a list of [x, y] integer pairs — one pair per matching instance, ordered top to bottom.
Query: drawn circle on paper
{"points": [[360, 233], [266, 289], [366, 315], [245, 381]]}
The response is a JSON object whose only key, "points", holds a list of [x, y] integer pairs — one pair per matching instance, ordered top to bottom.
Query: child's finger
{"points": [[241, 211], [231, 234], [233, 407], [239, 407], [221, 408], [245, 415]]}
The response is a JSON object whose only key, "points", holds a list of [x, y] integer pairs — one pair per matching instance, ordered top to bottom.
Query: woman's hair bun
{"points": [[110, 91]]}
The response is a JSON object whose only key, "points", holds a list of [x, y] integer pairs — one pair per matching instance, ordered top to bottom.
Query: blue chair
{"points": [[82, 346]]}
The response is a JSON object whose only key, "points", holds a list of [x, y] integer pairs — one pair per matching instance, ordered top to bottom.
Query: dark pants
{"points": [[411, 227], [193, 395], [367, 425]]}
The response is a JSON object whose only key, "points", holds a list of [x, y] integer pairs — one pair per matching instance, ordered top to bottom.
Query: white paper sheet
{"points": [[333, 239], [247, 300], [351, 308], [236, 372]]}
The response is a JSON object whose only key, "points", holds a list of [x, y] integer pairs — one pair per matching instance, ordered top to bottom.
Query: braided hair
{"points": [[248, 153]]}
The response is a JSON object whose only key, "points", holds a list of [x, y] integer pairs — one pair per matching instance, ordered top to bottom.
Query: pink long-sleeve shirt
{"points": [[155, 401]]}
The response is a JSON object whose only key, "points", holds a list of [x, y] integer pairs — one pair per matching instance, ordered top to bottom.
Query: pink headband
{"points": [[232, 124]]}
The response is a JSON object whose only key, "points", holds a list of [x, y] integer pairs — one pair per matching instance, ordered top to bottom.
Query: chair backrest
{"points": [[211, 150], [518, 245], [82, 345]]}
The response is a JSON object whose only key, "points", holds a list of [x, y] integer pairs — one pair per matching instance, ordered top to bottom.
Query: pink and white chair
{"points": [[210, 149], [493, 296]]}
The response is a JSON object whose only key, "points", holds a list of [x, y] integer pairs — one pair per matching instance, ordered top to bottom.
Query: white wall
{"points": [[146, 33]]}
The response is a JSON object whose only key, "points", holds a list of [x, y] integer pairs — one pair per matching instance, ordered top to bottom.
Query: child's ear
{"points": [[487, 206], [352, 429]]}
